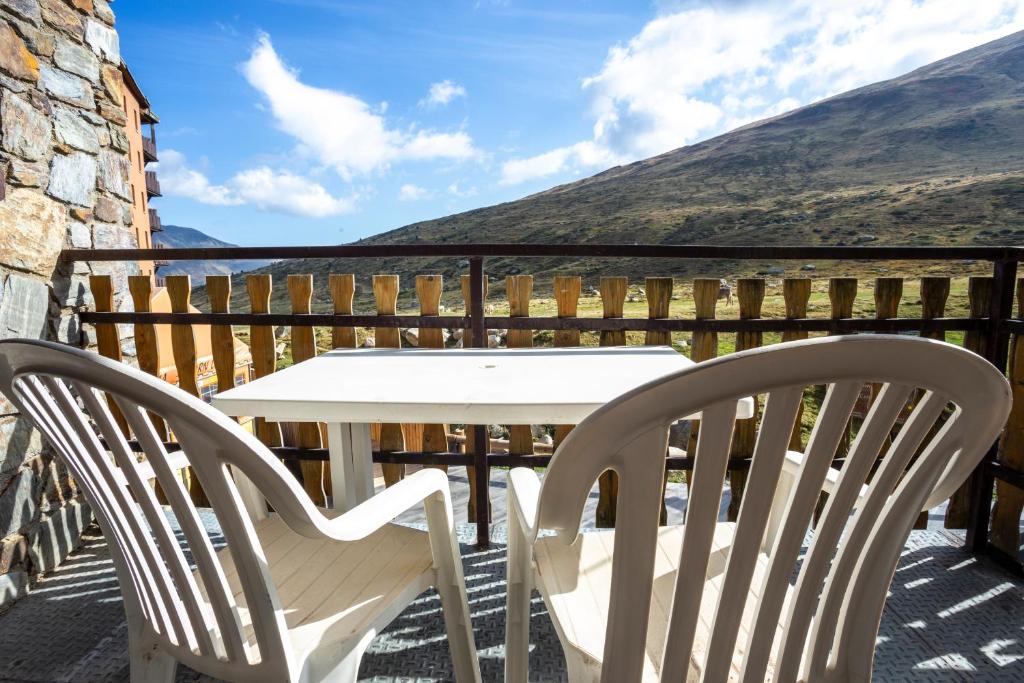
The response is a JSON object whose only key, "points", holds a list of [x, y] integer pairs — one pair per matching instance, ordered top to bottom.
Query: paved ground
{"points": [[949, 618]]}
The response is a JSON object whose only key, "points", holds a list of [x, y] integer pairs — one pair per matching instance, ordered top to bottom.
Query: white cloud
{"points": [[704, 70], [442, 93], [341, 130], [178, 179], [262, 187], [457, 190], [284, 192], [413, 193]]}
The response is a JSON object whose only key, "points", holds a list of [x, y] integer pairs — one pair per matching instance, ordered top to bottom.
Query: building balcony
{"points": [[148, 149], [152, 184], [154, 221], [160, 262]]}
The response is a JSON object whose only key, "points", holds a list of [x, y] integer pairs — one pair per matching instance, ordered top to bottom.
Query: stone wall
{"points": [[63, 153]]}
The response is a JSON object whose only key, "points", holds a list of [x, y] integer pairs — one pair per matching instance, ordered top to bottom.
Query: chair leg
{"points": [[451, 586], [517, 610], [148, 663]]}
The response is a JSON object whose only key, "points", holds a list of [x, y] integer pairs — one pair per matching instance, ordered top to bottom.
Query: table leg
{"points": [[362, 461], [343, 479]]}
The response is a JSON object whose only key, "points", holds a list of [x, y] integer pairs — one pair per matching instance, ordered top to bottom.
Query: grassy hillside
{"points": [[934, 157]]}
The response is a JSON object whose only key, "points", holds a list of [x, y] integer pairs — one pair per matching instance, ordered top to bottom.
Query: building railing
{"points": [[149, 149], [152, 184], [154, 221], [159, 261], [989, 329]]}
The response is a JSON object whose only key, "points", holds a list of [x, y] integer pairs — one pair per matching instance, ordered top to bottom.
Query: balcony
{"points": [[148, 149], [152, 184], [154, 221], [159, 262], [937, 582]]}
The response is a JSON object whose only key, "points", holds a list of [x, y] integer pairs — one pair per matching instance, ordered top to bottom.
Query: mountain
{"points": [[933, 157], [178, 236]]}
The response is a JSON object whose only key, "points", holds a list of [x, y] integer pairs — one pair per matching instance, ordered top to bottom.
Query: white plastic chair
{"points": [[296, 595], [711, 601]]}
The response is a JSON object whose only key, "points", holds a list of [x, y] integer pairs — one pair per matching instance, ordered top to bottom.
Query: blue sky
{"points": [[325, 121]]}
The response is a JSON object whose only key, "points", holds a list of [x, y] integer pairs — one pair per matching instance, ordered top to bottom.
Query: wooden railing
{"points": [[989, 328]]}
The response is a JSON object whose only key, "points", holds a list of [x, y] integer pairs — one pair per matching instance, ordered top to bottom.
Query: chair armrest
{"points": [[791, 466], [427, 485], [523, 497]]}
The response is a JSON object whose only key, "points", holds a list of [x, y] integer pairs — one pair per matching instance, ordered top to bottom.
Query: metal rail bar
{"points": [[672, 251], [546, 323]]}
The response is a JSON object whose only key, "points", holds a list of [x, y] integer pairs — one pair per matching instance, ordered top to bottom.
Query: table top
{"points": [[469, 386]]}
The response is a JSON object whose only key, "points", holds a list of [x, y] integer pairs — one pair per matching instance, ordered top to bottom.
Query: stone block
{"points": [[26, 9], [103, 12], [62, 17], [103, 40], [15, 58], [77, 59], [66, 87], [71, 129], [24, 130], [118, 139], [23, 173], [113, 173], [73, 178], [107, 210], [32, 231], [79, 234], [72, 290], [24, 308], [69, 330], [20, 441], [19, 501], [57, 534], [13, 553], [13, 585]]}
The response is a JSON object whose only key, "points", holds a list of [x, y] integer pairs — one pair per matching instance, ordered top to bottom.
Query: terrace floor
{"points": [[950, 617]]}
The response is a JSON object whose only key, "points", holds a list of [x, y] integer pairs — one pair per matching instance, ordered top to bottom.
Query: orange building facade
{"points": [[145, 221]]}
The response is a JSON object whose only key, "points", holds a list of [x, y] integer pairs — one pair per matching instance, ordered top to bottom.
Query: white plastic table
{"points": [[350, 389]]}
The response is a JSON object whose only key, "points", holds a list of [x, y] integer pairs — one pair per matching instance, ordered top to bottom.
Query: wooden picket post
{"points": [[465, 285], [141, 288], [519, 288], [343, 289], [567, 290], [750, 292], [796, 292], [842, 292], [888, 292], [979, 292], [385, 293], [934, 294], [659, 296], [613, 299], [222, 337], [703, 344], [183, 347], [263, 348], [433, 437], [316, 475], [1009, 505]]}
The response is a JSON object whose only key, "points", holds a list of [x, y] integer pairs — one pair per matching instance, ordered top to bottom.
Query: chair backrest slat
{"points": [[917, 427], [769, 453], [702, 507], [833, 522], [150, 569], [186, 590], [222, 602], [192, 615], [759, 625]]}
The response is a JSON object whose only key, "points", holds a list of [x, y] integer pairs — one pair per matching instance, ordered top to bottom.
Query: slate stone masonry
{"points": [[63, 156]]}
